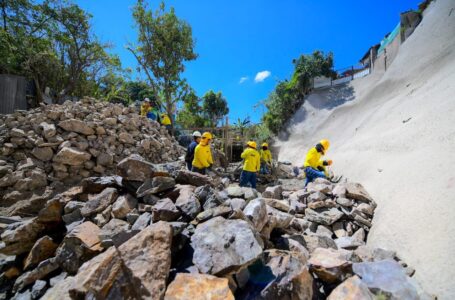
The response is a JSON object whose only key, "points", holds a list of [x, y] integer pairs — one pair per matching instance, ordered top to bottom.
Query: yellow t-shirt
{"points": [[252, 160]]}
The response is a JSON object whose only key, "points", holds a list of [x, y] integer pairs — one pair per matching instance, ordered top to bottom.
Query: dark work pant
{"points": [[197, 170], [311, 174], [248, 177]]}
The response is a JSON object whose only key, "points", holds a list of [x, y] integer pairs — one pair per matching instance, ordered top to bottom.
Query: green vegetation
{"points": [[165, 42], [51, 43], [288, 96], [202, 112]]}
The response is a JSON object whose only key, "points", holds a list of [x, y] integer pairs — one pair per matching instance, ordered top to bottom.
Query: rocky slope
{"points": [[62, 144], [161, 232]]}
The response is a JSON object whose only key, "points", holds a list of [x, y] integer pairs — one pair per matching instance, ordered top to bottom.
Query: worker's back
{"points": [[252, 161]]}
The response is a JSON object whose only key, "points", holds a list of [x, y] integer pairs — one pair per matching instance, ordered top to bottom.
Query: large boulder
{"points": [[78, 126], [71, 156], [135, 168], [94, 185], [165, 210], [256, 211], [19, 238], [78, 246], [222, 246], [44, 248], [147, 257], [386, 277], [198, 286]]}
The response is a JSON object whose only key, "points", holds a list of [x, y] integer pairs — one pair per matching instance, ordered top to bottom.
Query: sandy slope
{"points": [[408, 167]]}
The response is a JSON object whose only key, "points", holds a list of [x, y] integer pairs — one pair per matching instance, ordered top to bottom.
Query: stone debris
{"points": [[96, 205]]}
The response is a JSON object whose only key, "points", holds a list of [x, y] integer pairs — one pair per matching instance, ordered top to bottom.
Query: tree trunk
{"points": [[39, 93]]}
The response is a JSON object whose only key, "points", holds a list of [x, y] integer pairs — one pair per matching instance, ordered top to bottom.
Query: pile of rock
{"points": [[65, 143], [148, 233]]}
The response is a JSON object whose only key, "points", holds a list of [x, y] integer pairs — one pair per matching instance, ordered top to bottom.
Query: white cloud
{"points": [[261, 76], [243, 79]]}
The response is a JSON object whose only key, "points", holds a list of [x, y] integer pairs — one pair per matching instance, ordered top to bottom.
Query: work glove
{"points": [[327, 162]]}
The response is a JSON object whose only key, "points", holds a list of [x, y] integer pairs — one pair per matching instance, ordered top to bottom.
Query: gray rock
{"points": [[78, 126], [48, 130], [43, 153], [71, 156], [135, 168], [192, 178], [94, 185], [156, 185], [235, 192], [274, 192], [357, 192], [250, 193], [316, 196], [213, 200], [99, 202], [344, 202], [188, 203], [236, 203], [123, 205], [165, 210], [256, 211], [212, 213], [323, 216], [142, 222], [113, 228], [338, 229], [323, 230], [19, 238], [314, 241], [348, 242], [223, 246], [330, 265], [42, 270], [289, 277], [387, 277], [55, 280], [351, 288], [38, 289]]}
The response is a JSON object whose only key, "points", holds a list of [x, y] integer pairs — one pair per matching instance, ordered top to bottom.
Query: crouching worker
{"points": [[203, 155], [266, 159], [251, 165], [315, 167]]}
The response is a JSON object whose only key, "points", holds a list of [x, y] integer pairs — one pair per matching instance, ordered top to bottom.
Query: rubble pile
{"points": [[69, 142], [159, 232]]}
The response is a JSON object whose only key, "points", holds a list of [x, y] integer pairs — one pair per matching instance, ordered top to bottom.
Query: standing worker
{"points": [[145, 107], [166, 121], [190, 150], [203, 155], [266, 159], [251, 165], [315, 167]]}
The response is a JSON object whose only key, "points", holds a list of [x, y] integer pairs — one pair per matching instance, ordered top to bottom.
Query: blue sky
{"points": [[238, 39]]}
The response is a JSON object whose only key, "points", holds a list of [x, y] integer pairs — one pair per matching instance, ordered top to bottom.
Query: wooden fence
{"points": [[12, 93]]}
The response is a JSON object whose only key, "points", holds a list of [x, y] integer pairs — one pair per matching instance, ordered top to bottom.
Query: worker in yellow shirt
{"points": [[146, 107], [166, 122], [203, 155], [266, 159], [251, 165], [314, 166]]}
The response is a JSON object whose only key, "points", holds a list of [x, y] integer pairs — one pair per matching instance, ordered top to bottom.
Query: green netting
{"points": [[387, 40]]}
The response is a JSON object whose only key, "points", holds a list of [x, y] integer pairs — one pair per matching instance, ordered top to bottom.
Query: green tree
{"points": [[50, 42], [165, 42], [288, 96], [215, 107], [191, 115], [242, 125]]}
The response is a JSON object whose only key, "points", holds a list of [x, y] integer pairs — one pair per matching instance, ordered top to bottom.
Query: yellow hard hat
{"points": [[207, 135], [252, 144], [325, 144], [265, 145]]}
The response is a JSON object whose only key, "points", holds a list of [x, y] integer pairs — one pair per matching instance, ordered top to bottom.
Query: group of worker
{"points": [[151, 112], [199, 158]]}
